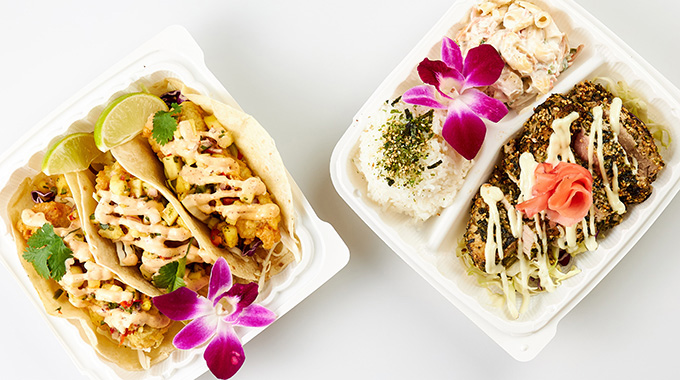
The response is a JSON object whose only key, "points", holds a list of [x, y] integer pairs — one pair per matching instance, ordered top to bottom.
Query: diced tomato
{"points": [[216, 237], [123, 335]]}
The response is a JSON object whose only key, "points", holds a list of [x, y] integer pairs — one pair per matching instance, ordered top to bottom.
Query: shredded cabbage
{"points": [[634, 103], [503, 288]]}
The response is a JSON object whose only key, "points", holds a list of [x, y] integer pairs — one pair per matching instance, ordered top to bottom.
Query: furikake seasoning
{"points": [[404, 149]]}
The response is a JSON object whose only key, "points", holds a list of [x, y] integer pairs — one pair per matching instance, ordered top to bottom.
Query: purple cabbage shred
{"points": [[173, 97], [40, 197], [253, 247]]}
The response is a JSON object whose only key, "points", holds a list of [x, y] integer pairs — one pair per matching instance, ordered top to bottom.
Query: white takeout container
{"points": [[172, 53], [429, 248]]}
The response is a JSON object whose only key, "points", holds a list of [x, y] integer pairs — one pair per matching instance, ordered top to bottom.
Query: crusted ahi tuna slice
{"points": [[535, 135], [634, 136], [633, 188], [477, 227]]}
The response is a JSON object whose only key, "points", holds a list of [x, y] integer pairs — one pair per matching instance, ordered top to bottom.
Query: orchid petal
{"points": [[451, 54], [483, 66], [434, 72], [422, 96], [483, 105], [463, 130], [220, 280], [245, 293], [242, 295], [182, 304], [254, 316], [197, 332], [224, 355]]}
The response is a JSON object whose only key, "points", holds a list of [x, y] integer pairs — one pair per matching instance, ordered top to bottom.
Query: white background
{"points": [[303, 68]]}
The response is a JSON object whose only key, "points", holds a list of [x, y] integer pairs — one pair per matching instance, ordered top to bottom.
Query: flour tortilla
{"points": [[104, 251], [105, 347]]}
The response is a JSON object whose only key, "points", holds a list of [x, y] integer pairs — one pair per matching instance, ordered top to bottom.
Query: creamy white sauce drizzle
{"points": [[615, 116], [596, 133], [559, 147], [213, 170], [151, 235], [494, 240], [126, 254], [121, 319]]}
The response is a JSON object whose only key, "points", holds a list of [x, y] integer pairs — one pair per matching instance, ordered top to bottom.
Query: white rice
{"points": [[435, 188]]}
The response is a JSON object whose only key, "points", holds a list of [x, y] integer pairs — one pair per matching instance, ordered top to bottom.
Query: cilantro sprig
{"points": [[165, 124], [48, 253], [171, 275]]}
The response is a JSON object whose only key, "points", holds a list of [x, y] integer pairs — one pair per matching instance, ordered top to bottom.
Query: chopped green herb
{"points": [[165, 124], [47, 252], [171, 275], [168, 276], [58, 294]]}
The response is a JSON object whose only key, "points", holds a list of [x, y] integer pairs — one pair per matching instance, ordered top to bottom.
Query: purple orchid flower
{"points": [[456, 82], [227, 305]]}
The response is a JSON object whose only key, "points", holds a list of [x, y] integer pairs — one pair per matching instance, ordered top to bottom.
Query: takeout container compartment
{"points": [[172, 53], [430, 247]]}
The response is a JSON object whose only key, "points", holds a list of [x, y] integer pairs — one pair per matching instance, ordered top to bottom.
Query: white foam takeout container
{"points": [[172, 53], [429, 248]]}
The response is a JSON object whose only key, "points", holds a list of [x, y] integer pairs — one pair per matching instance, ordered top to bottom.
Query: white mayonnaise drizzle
{"points": [[615, 116], [596, 133], [559, 147], [216, 170], [152, 234], [494, 244]]}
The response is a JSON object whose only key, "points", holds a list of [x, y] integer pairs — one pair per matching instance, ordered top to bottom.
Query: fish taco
{"points": [[225, 170], [144, 230], [62, 262]]}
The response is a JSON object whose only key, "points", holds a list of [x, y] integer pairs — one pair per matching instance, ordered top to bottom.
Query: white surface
{"points": [[303, 68]]}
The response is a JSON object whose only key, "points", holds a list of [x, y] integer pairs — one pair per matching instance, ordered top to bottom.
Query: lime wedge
{"points": [[124, 118], [71, 154]]}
